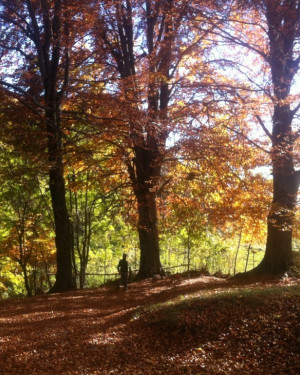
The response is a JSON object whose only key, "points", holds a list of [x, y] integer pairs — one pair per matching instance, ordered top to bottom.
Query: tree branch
{"points": [[17, 88], [295, 110], [262, 124], [247, 138]]}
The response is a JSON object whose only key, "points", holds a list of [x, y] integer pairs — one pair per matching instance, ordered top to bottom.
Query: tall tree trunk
{"points": [[147, 130], [144, 176], [63, 234], [148, 235], [63, 238], [238, 249], [248, 253], [278, 256]]}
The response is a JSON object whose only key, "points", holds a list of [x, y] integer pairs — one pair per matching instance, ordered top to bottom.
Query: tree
{"points": [[283, 20], [269, 31], [36, 40], [142, 45], [144, 74], [82, 208]]}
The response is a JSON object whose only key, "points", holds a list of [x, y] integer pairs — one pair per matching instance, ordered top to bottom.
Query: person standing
{"points": [[123, 271]]}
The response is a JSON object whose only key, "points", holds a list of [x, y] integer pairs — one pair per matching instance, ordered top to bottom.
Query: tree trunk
{"points": [[44, 34], [147, 131], [144, 176], [63, 235], [148, 235], [63, 239], [188, 252], [248, 253], [278, 256], [82, 275], [26, 280]]}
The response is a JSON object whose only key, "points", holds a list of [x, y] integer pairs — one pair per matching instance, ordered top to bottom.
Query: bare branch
{"points": [[233, 39], [17, 49], [18, 89], [295, 110], [262, 124], [247, 138], [161, 188]]}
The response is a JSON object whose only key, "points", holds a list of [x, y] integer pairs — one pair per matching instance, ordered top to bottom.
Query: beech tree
{"points": [[283, 21], [269, 31], [138, 39], [36, 42], [144, 47]]}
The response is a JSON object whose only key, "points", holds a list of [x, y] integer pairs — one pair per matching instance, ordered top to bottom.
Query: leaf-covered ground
{"points": [[200, 326]]}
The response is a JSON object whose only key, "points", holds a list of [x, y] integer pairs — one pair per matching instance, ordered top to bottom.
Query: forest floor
{"points": [[200, 326]]}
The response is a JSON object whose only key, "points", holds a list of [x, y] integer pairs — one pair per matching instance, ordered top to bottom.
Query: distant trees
{"points": [[90, 202], [28, 241]]}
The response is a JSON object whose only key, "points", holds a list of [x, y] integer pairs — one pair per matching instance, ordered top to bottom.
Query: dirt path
{"points": [[105, 331]]}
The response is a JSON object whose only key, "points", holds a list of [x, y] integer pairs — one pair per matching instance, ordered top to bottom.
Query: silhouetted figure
{"points": [[123, 271]]}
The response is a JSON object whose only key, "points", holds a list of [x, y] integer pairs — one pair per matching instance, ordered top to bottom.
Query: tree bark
{"points": [[53, 58], [144, 176], [63, 233], [148, 235], [63, 239], [278, 256], [26, 279]]}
